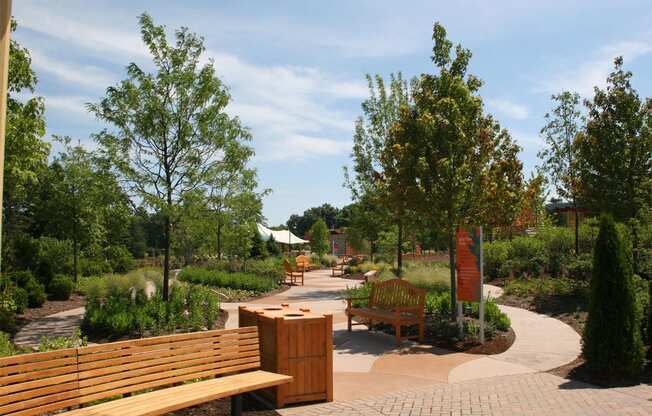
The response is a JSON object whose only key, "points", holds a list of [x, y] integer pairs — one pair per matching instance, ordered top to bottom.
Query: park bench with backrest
{"points": [[303, 261], [339, 267], [292, 275], [395, 302], [226, 361]]}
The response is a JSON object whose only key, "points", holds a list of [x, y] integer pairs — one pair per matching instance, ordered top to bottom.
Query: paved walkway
{"points": [[62, 324], [539, 394]]}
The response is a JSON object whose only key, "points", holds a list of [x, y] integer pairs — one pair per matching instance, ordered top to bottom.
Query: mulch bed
{"points": [[49, 307], [569, 310], [498, 344]]}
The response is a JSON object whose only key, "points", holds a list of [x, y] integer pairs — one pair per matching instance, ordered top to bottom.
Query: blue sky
{"points": [[296, 68]]}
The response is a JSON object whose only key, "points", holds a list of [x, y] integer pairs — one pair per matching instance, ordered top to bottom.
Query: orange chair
{"points": [[292, 274]]}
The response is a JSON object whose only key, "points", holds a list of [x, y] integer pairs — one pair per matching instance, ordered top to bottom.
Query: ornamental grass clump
{"points": [[612, 342]]}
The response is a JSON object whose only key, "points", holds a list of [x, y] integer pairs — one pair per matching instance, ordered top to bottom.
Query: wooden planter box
{"points": [[297, 343]]}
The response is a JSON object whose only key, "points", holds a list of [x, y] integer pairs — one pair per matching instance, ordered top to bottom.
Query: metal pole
{"points": [[5, 33], [481, 289]]}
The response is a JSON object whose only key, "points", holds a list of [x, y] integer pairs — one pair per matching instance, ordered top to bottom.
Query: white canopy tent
{"points": [[282, 236]]}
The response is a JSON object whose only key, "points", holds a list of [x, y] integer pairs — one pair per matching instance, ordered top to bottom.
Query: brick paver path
{"points": [[526, 394]]}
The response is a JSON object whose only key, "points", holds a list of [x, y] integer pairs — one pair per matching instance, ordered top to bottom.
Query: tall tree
{"points": [[169, 126], [450, 148], [615, 151], [26, 152], [560, 156], [374, 176], [319, 237], [612, 337]]}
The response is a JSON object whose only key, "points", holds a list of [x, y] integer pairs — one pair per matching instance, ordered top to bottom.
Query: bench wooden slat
{"points": [[385, 303], [163, 339], [107, 353], [135, 364], [189, 365], [167, 382], [33, 384], [164, 401]]}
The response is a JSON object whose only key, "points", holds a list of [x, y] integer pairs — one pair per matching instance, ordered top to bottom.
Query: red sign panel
{"points": [[468, 246]]}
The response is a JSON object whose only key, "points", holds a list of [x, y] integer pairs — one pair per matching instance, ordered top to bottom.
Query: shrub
{"points": [[559, 246], [496, 255], [526, 255], [54, 256], [120, 259], [327, 260], [93, 267], [580, 267], [21, 278], [237, 280], [61, 287], [35, 294], [12, 297], [21, 299], [439, 304], [126, 311], [7, 320], [612, 339], [58, 343], [7, 348]]}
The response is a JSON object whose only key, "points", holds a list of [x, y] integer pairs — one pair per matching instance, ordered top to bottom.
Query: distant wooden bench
{"points": [[303, 261], [339, 267], [293, 275], [395, 302], [227, 362]]}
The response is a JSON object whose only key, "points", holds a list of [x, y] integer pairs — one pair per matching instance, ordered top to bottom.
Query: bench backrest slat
{"points": [[303, 261], [396, 293], [41, 380], [32, 384]]}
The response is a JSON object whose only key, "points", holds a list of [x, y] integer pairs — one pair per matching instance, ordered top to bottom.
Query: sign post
{"points": [[469, 269]]}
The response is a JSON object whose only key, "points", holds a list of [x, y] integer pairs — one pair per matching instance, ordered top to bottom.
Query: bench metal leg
{"points": [[236, 405]]}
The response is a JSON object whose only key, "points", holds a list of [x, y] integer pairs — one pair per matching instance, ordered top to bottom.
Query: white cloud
{"points": [[48, 21], [594, 70], [86, 75], [74, 104], [282, 104], [508, 108], [300, 148]]}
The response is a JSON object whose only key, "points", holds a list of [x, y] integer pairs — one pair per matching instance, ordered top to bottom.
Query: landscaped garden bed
{"points": [[238, 281], [440, 330]]}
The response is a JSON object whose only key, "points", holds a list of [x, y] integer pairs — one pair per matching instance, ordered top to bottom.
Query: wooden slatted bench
{"points": [[303, 262], [339, 267], [293, 275], [395, 302], [222, 363]]}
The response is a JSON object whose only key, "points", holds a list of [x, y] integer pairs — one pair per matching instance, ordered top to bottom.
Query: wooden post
{"points": [[5, 33]]}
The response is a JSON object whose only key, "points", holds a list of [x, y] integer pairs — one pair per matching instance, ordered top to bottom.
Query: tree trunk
{"points": [[577, 228], [75, 237], [219, 240], [399, 254], [166, 259], [451, 264]]}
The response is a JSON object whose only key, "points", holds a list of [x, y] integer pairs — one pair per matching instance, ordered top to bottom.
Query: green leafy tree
{"points": [[169, 127], [449, 148], [615, 151], [26, 152], [560, 156], [376, 175], [233, 198], [300, 224], [366, 224], [319, 237], [258, 246], [272, 248], [612, 339]]}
